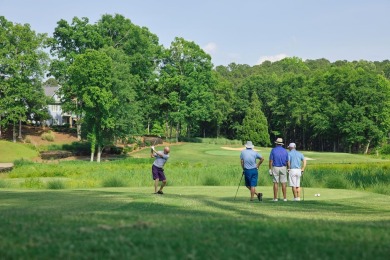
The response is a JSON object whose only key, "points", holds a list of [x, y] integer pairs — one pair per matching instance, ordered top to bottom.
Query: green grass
{"points": [[10, 151], [196, 165], [84, 210], [192, 223]]}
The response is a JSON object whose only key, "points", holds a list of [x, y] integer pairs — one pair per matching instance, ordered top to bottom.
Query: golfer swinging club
{"points": [[158, 168], [250, 169]]}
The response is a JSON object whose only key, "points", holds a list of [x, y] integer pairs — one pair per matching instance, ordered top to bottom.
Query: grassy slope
{"points": [[9, 152], [192, 223]]}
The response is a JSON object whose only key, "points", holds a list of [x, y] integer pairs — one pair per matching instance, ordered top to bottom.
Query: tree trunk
{"points": [[0, 126], [78, 127], [20, 129], [177, 132], [14, 133], [368, 145], [99, 153], [92, 155]]}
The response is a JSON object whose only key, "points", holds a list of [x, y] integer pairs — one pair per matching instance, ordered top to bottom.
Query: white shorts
{"points": [[279, 174], [295, 177]]}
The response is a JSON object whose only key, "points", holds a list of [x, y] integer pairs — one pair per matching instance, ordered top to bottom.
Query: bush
{"points": [[49, 136], [78, 148], [385, 149], [22, 162], [211, 181], [113, 182], [336, 182], [32, 183], [3, 184], [56, 185]]}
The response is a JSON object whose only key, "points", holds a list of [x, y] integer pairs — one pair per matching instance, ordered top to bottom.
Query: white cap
{"points": [[292, 145]]}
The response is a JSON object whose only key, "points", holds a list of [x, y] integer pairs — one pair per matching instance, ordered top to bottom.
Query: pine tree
{"points": [[255, 126]]}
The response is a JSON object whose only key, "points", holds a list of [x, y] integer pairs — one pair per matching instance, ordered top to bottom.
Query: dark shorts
{"points": [[158, 173], [251, 176]]}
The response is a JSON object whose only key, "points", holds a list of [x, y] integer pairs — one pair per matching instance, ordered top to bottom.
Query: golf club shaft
{"points": [[238, 186], [303, 190]]}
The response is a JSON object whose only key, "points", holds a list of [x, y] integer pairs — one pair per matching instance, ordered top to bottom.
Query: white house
{"points": [[58, 117]]}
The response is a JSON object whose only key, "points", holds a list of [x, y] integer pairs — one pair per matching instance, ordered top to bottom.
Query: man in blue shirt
{"points": [[296, 166], [158, 168], [277, 168], [250, 169]]}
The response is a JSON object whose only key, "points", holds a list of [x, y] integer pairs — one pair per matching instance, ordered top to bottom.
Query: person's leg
{"points": [[155, 177], [163, 179], [156, 181], [163, 183], [276, 186], [284, 190], [253, 191], [294, 191], [298, 191]]}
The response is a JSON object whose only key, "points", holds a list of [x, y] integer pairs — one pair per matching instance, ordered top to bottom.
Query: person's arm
{"points": [[152, 152], [155, 153], [260, 162], [242, 164], [304, 165], [270, 166]]}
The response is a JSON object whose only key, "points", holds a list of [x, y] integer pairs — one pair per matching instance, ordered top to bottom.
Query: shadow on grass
{"points": [[87, 224]]}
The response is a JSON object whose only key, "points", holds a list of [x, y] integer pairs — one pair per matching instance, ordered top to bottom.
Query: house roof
{"points": [[50, 91]]}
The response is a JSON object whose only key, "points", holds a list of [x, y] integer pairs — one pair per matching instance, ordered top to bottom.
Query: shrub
{"points": [[49, 136], [27, 139], [127, 149], [385, 149], [22, 162], [211, 181], [113, 182], [336, 182], [32, 183], [3, 184], [56, 185]]}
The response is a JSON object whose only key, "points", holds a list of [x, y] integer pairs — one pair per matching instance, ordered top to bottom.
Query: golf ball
{"points": [[319, 194]]}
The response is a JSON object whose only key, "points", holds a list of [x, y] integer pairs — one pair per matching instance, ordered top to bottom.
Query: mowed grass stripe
{"points": [[192, 223]]}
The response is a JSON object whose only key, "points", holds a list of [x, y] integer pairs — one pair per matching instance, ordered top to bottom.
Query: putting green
{"points": [[224, 152]]}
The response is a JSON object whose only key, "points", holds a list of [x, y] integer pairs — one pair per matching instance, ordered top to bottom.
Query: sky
{"points": [[236, 31]]}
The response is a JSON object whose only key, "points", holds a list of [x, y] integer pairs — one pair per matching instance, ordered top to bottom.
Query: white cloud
{"points": [[210, 48], [273, 58]]}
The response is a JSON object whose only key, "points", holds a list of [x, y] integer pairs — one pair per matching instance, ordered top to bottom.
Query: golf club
{"points": [[155, 140], [279, 185], [238, 186], [303, 190]]}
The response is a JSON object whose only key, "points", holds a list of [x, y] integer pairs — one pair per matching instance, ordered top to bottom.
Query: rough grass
{"points": [[201, 164]]}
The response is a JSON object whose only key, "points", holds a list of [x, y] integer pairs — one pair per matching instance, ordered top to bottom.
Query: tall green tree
{"points": [[22, 66], [91, 72], [185, 89], [254, 126]]}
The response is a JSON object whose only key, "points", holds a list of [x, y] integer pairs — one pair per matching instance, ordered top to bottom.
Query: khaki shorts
{"points": [[279, 174], [295, 177]]}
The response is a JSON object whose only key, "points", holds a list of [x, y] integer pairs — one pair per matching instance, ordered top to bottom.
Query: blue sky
{"points": [[240, 31]]}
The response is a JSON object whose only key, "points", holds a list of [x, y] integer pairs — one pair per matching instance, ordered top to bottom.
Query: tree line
{"points": [[121, 83]]}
